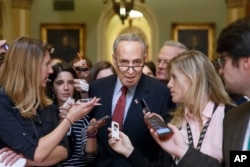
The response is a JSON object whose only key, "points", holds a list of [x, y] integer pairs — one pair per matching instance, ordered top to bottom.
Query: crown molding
{"points": [[236, 3], [21, 4]]}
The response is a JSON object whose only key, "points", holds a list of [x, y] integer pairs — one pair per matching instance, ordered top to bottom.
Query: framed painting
{"points": [[198, 36], [66, 39]]}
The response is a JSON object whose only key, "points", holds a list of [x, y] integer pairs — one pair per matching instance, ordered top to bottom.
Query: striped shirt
{"points": [[78, 156]]}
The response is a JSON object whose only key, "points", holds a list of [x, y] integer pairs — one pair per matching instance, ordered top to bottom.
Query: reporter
{"points": [[61, 88], [27, 114], [197, 123]]}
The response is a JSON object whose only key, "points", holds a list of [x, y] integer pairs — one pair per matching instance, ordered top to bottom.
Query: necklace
{"points": [[33, 124], [34, 128], [203, 132]]}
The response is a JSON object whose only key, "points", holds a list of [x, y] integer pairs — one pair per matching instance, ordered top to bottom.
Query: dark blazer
{"points": [[157, 96], [235, 126]]}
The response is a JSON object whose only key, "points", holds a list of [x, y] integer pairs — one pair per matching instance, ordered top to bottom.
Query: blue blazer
{"points": [[157, 96]]}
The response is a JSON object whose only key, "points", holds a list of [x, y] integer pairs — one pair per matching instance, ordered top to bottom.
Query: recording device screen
{"points": [[155, 122]]}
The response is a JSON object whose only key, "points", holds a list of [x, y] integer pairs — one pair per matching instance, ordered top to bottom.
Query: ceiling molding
{"points": [[235, 3], [26, 4]]}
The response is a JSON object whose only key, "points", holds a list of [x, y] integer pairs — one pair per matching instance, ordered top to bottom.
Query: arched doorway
{"points": [[110, 26]]}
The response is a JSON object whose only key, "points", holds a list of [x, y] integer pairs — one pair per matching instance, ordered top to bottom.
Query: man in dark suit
{"points": [[129, 53], [234, 60], [236, 130]]}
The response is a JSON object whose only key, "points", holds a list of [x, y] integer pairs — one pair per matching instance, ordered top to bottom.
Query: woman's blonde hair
{"points": [[20, 77], [206, 84]]}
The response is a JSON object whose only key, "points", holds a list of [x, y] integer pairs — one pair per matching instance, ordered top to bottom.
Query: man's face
{"points": [[165, 55], [128, 62], [234, 76], [179, 85]]}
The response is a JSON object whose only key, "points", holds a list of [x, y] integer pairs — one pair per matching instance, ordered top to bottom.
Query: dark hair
{"points": [[235, 39], [2, 55], [151, 66], [98, 67], [57, 69]]}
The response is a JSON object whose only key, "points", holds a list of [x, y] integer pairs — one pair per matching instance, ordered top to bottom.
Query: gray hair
{"points": [[129, 37], [175, 44]]}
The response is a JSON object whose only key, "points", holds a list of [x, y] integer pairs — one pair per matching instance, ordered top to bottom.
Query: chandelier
{"points": [[122, 7]]}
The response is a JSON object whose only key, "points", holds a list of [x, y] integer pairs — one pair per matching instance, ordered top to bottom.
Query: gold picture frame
{"points": [[199, 36], [66, 39]]}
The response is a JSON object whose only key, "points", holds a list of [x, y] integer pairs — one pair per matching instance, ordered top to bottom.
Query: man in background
{"points": [[169, 50]]}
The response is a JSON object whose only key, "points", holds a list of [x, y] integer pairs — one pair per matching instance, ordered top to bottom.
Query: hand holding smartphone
{"points": [[84, 86], [101, 121], [155, 122]]}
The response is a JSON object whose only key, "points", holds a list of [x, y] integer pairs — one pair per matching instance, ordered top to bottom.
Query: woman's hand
{"points": [[2, 50], [82, 69], [81, 85], [81, 109], [149, 114], [94, 125], [174, 144], [122, 145], [9, 157]]}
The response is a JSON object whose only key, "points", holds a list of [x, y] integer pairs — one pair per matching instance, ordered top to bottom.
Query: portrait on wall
{"points": [[196, 36], [66, 39]]}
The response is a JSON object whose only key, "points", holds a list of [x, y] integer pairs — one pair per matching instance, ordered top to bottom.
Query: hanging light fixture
{"points": [[122, 7]]}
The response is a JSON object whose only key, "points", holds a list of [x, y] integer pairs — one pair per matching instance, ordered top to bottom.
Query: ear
{"points": [[113, 59], [246, 63]]}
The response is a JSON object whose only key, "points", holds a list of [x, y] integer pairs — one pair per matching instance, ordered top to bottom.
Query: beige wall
{"points": [[164, 11]]}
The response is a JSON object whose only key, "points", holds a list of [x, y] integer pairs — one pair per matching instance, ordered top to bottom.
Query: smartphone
{"points": [[85, 100], [144, 106], [106, 117], [102, 120], [155, 122], [115, 130]]}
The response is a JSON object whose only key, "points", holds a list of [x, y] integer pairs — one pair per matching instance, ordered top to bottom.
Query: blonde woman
{"points": [[27, 115], [197, 122]]}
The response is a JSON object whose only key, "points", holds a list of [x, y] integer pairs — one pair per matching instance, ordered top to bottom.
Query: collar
{"points": [[119, 85], [206, 112]]}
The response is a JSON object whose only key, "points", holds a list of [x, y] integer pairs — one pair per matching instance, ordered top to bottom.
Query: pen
{"points": [[79, 56], [80, 68]]}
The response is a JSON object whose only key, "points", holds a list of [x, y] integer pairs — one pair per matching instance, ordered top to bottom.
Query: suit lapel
{"points": [[108, 94], [239, 127]]}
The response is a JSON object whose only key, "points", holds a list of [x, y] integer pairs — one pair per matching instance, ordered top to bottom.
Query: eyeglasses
{"points": [[164, 62], [220, 62], [125, 68]]}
